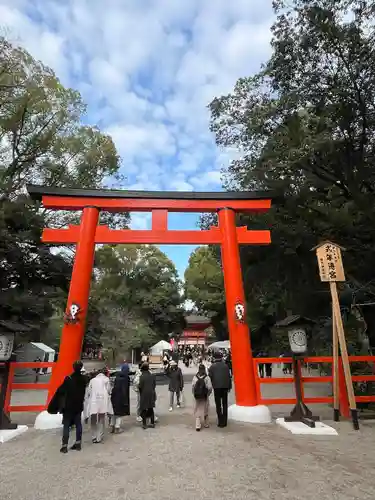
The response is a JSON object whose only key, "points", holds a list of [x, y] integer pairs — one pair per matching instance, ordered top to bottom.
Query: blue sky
{"points": [[147, 70]]}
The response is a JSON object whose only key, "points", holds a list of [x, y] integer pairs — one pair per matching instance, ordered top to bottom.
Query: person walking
{"points": [[144, 357], [228, 360], [261, 365], [268, 367], [219, 374], [136, 380], [176, 384], [202, 388], [147, 396], [120, 399], [69, 400], [98, 404]]}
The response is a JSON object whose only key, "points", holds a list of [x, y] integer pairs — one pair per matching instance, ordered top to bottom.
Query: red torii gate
{"points": [[89, 233]]}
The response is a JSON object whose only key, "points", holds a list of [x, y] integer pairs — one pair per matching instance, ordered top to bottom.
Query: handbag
{"points": [[58, 401]]}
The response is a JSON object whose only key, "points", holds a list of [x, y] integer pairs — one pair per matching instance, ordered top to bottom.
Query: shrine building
{"points": [[197, 332]]}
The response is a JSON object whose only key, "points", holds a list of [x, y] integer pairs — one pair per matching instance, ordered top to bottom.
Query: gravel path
{"points": [[174, 461]]}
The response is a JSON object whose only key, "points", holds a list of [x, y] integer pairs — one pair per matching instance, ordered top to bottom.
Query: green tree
{"points": [[304, 125], [42, 141], [32, 279], [143, 280], [204, 286], [122, 332]]}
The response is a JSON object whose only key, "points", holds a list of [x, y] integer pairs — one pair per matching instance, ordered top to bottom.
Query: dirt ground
{"points": [[174, 461]]}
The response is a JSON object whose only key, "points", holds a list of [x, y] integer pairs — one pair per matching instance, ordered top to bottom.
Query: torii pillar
{"points": [[246, 408]]}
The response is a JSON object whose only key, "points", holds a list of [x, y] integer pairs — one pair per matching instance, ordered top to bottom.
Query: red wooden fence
{"points": [[29, 386], [344, 405]]}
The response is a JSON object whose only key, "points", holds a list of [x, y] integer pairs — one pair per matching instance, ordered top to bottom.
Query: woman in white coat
{"points": [[98, 404]]}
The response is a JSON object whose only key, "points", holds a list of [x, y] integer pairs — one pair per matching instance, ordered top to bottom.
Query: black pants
{"points": [[268, 370], [221, 402], [149, 413], [68, 421]]}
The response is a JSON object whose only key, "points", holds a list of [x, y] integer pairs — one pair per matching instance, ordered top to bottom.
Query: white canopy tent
{"points": [[224, 344], [161, 346]]}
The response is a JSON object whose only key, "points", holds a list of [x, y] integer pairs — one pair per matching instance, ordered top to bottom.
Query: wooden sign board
{"points": [[330, 262]]}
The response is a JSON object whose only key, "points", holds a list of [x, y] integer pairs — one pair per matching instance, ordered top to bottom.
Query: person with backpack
{"points": [[202, 388]]}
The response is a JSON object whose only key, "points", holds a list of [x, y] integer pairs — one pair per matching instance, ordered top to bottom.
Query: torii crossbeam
{"points": [[89, 233]]}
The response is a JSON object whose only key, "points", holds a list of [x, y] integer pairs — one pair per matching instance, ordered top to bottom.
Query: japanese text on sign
{"points": [[330, 263]]}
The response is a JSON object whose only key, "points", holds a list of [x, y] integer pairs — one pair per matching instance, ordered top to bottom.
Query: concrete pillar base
{"points": [[259, 414], [45, 421], [8, 434]]}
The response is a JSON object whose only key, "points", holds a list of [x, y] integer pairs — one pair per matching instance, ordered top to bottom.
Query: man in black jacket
{"points": [[222, 383], [69, 400]]}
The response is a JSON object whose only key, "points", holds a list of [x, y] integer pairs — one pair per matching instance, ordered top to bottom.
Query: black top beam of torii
{"points": [[37, 192]]}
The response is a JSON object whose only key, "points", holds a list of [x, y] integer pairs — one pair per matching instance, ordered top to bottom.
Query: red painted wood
{"points": [[147, 205], [159, 220], [163, 237], [72, 333], [242, 357], [317, 359], [363, 378], [276, 380], [317, 380], [30, 387], [365, 399], [292, 401], [27, 408]]}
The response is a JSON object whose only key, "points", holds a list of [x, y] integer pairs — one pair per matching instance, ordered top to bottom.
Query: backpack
{"points": [[200, 388]]}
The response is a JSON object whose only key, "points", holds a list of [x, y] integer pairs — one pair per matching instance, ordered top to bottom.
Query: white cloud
{"points": [[147, 70], [206, 179], [180, 184], [140, 220]]}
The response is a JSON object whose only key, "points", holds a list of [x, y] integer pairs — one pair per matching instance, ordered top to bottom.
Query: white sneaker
{"points": [[178, 406], [171, 409], [139, 419], [156, 419]]}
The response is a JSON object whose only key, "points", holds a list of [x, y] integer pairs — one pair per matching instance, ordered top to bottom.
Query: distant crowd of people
{"points": [[92, 353], [196, 355], [93, 398]]}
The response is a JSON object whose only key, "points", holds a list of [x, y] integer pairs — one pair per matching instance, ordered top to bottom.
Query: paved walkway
{"points": [[174, 461]]}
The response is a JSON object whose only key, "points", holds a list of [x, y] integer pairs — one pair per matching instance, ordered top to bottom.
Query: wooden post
{"points": [[331, 270], [344, 353], [335, 369], [343, 393]]}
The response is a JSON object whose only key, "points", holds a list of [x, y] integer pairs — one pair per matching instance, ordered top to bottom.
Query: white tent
{"points": [[224, 344], [160, 347]]}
